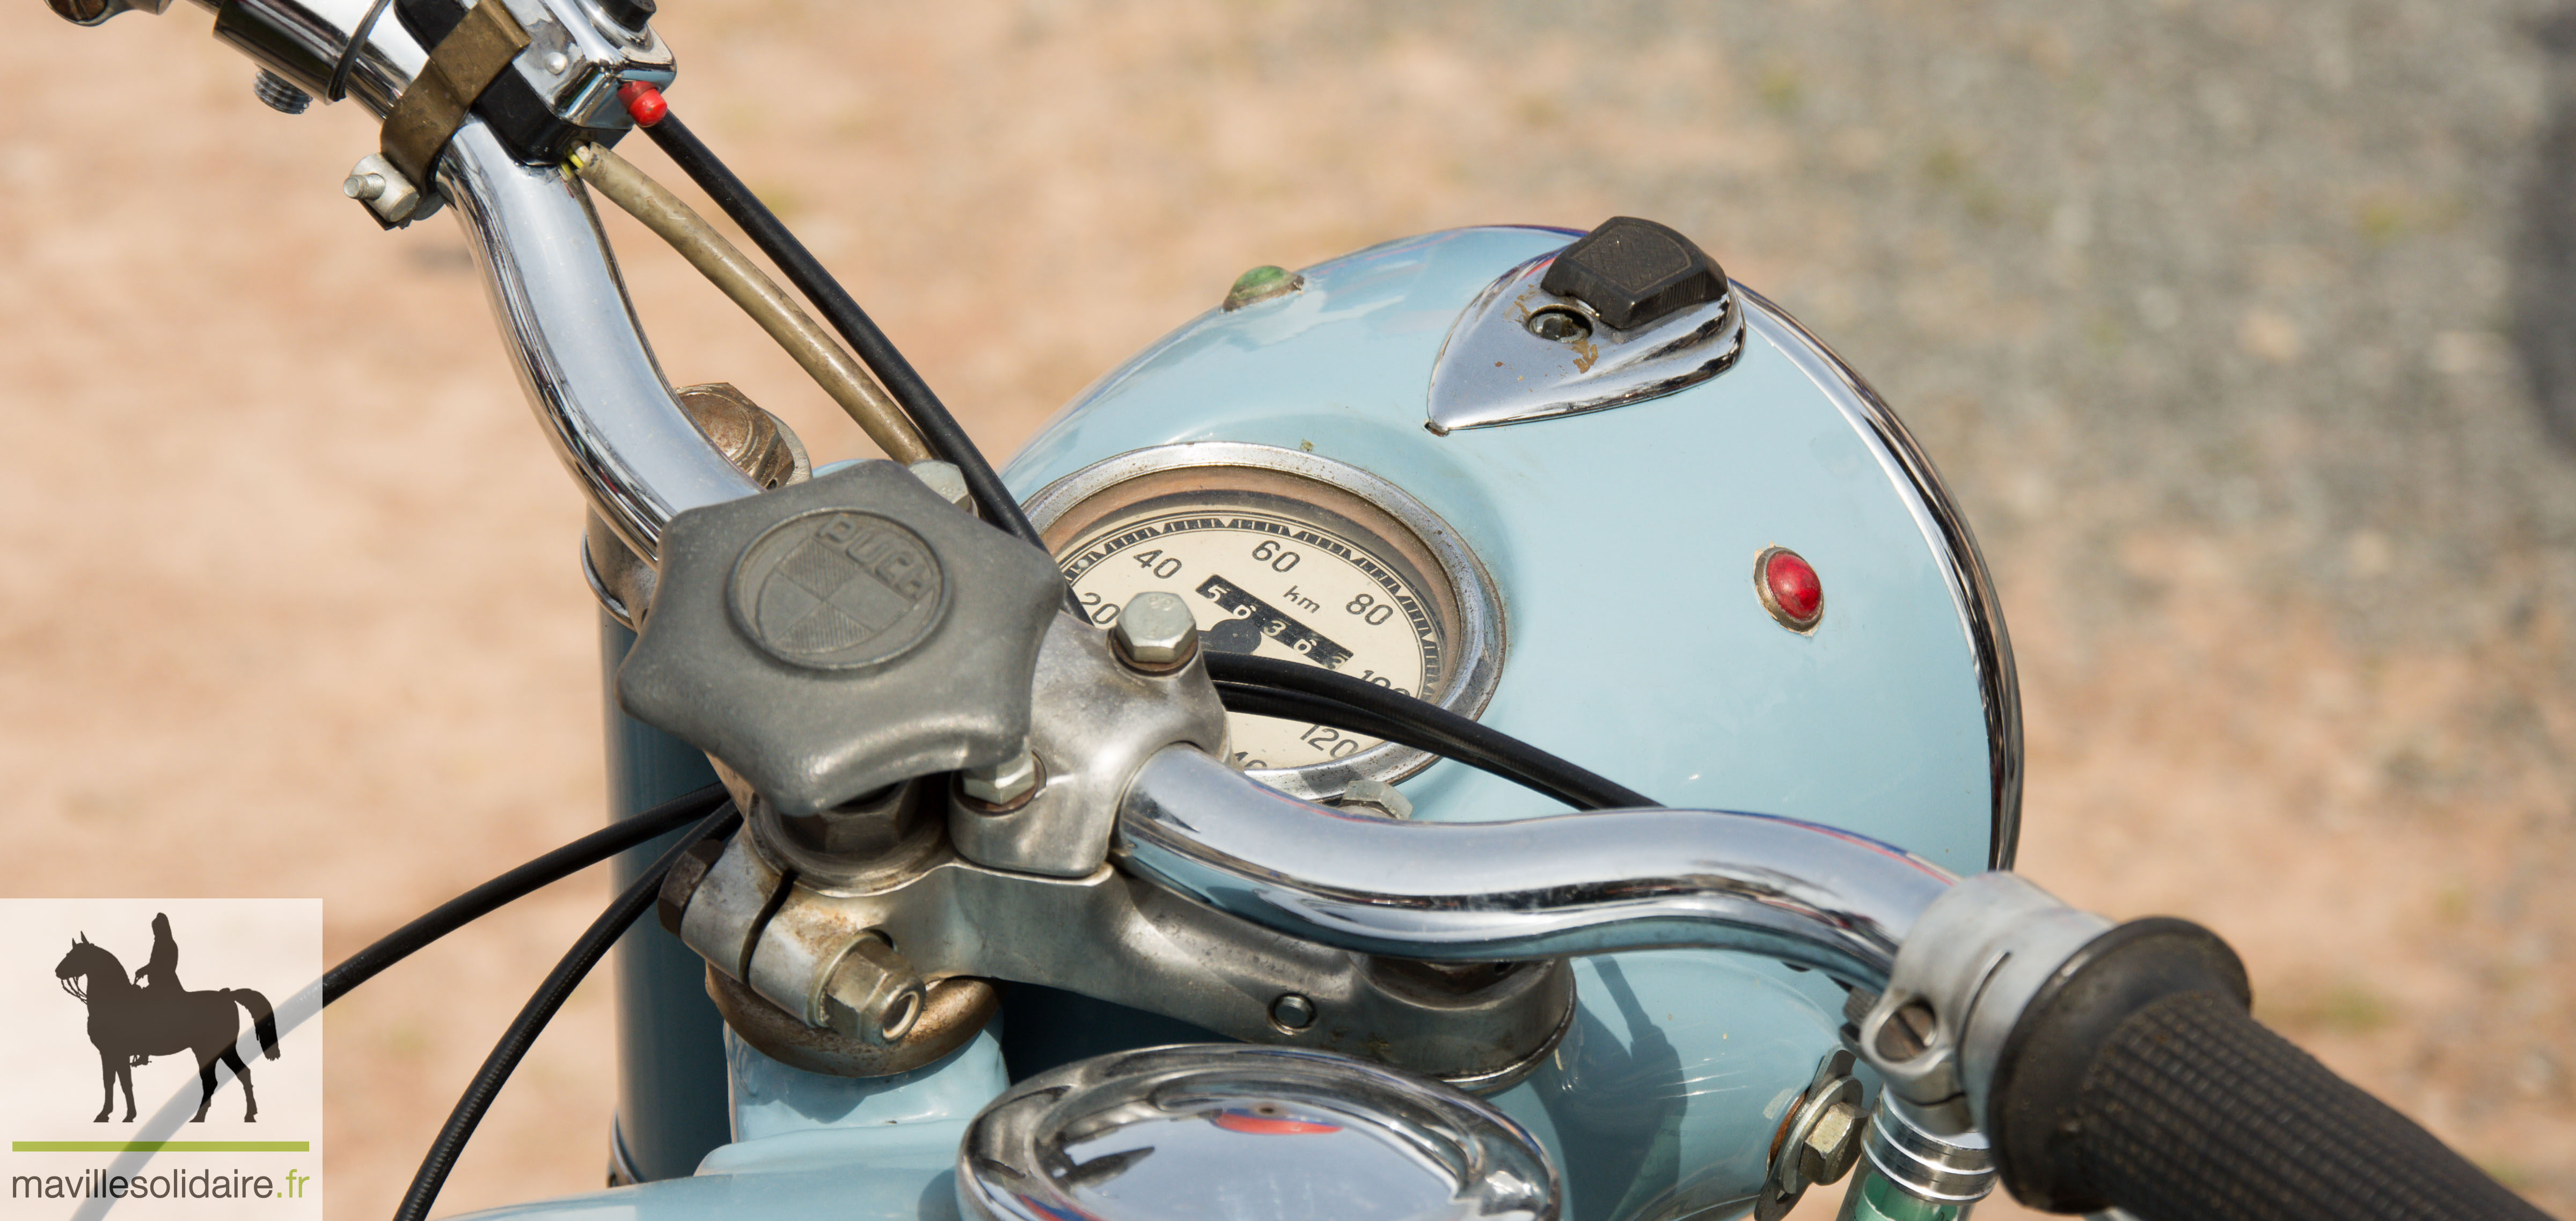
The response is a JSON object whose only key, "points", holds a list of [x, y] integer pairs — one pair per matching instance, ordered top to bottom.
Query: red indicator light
{"points": [[1789, 588]]}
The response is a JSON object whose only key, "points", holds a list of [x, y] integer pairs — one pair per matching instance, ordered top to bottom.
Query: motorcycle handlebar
{"points": [[575, 341], [1587, 883]]}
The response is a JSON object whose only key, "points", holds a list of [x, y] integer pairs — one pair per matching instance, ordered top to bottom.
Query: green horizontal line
{"points": [[160, 1146]]}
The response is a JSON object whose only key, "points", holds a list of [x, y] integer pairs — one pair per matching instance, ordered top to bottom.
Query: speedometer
{"points": [[1280, 553]]}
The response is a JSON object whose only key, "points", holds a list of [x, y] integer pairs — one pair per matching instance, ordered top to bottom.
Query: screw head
{"points": [[1560, 325], [1156, 631], [1007, 783], [1292, 1012]]}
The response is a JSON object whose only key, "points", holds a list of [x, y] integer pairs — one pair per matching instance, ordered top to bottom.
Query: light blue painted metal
{"points": [[1623, 542], [1623, 545], [670, 1067]]}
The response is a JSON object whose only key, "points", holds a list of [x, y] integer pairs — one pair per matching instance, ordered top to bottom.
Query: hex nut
{"points": [[945, 479], [1156, 632], [1005, 784], [1376, 797], [681, 883], [873, 994], [1292, 1012], [1833, 1144]]}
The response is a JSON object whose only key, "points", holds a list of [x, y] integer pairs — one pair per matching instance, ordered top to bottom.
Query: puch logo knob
{"points": [[836, 589], [838, 635]]}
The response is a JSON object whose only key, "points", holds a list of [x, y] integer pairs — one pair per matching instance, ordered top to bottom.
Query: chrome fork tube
{"points": [[573, 336], [1538, 888]]}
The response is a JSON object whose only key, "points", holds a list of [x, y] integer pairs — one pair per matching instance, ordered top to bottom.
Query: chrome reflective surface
{"points": [[308, 43], [573, 336], [1504, 363], [1963, 567], [1476, 640], [1092, 722], [1573, 884], [1112, 937], [1983, 951], [1246, 1134], [1954, 1169]]}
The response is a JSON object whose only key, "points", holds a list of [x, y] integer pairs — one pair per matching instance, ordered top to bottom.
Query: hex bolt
{"points": [[945, 479], [1156, 632], [1005, 786], [873, 994], [1292, 1012], [1833, 1144]]}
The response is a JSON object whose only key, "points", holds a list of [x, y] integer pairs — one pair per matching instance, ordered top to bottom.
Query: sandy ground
{"points": [[2203, 307]]}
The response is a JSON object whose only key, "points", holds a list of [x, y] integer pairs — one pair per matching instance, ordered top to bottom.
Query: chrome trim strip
{"points": [[574, 338], [1963, 567], [1478, 650], [1591, 883]]}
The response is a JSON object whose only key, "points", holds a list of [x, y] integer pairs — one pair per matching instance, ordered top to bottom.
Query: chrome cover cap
{"points": [[1519, 352], [1249, 1134]]}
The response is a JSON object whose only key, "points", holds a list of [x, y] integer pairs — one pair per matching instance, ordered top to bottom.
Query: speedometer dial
{"points": [[1283, 554]]}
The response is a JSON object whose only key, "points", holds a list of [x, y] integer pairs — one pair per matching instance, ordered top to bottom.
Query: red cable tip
{"points": [[644, 102]]}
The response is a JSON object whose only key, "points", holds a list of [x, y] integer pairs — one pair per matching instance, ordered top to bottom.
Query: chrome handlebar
{"points": [[564, 314], [574, 338], [1589, 883], [1581, 884]]}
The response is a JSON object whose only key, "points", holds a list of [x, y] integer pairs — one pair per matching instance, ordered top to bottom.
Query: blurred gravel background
{"points": [[2224, 320]]}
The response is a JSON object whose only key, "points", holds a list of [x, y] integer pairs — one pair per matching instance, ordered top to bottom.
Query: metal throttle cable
{"points": [[752, 289], [1291, 689]]}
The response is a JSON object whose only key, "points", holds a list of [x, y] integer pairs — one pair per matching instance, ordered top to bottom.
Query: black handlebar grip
{"points": [[2138, 1078]]}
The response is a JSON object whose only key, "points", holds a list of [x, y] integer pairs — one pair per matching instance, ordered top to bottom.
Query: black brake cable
{"points": [[938, 428], [1316, 694], [518, 883], [540, 1009]]}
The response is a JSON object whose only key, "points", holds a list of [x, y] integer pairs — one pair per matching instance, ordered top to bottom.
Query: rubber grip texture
{"points": [[2193, 1111]]}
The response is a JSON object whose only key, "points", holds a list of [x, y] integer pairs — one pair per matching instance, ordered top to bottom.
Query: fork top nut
{"points": [[1155, 632]]}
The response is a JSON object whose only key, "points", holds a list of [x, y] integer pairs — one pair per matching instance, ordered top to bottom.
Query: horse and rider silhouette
{"points": [[131, 1021]]}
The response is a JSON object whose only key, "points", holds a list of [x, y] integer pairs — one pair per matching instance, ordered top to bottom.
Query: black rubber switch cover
{"points": [[1635, 272]]}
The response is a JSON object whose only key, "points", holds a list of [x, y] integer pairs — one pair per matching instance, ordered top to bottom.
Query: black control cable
{"points": [[938, 428], [1284, 681], [1266, 686], [517, 884], [540, 1009]]}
